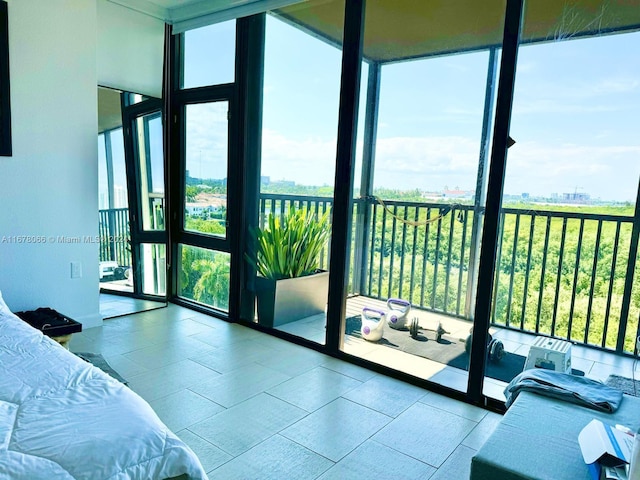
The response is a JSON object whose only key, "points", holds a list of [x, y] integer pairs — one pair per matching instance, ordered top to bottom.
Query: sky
{"points": [[575, 116], [119, 169]]}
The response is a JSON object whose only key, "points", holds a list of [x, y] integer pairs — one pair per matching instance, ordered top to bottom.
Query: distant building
{"points": [[457, 193], [432, 195], [525, 196], [576, 197], [193, 208]]}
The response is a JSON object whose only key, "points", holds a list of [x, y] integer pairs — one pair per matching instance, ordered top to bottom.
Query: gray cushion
{"points": [[538, 439]]}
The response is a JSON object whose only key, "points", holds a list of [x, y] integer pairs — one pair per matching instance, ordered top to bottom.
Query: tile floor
{"points": [[256, 407]]}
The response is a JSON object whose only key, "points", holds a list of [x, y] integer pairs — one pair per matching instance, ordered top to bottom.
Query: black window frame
{"points": [[176, 101], [6, 148]]}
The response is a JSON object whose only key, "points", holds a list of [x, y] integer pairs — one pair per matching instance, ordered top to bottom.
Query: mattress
{"points": [[63, 418]]}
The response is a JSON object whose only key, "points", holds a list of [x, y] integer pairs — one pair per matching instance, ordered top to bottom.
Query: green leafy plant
{"points": [[290, 246], [212, 287]]}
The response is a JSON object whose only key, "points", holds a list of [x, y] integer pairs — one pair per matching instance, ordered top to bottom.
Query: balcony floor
{"points": [[596, 364]]}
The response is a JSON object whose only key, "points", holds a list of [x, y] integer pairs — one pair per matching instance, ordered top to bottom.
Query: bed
{"points": [[63, 418]]}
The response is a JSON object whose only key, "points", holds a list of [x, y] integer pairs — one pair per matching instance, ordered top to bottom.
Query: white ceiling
{"points": [[172, 11], [187, 14]]}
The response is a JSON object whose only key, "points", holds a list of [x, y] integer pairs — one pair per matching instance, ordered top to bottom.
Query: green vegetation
{"points": [[285, 188], [212, 225], [290, 246], [204, 276], [577, 278], [570, 298]]}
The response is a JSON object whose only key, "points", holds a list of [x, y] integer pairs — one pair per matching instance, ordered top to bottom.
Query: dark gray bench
{"points": [[538, 439]]}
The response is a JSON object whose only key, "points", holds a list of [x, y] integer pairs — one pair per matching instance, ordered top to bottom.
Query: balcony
{"points": [[561, 274]]}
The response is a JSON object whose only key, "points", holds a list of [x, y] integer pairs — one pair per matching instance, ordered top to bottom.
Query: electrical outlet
{"points": [[76, 269]]}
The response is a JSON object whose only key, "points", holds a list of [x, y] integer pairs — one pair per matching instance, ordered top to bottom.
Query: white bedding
{"points": [[62, 418]]}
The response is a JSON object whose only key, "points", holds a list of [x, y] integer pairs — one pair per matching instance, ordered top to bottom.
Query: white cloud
{"points": [[616, 85], [599, 95], [551, 105], [207, 140], [420, 154], [309, 161], [401, 162], [427, 163], [431, 163], [608, 172]]}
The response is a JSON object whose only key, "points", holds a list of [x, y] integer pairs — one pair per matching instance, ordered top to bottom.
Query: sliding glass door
{"points": [[427, 105], [297, 170]]}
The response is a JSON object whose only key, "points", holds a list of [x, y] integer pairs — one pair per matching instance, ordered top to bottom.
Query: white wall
{"points": [[130, 50], [49, 187]]}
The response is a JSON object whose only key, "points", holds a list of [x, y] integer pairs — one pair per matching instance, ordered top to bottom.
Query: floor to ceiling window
{"points": [[205, 93], [429, 95], [434, 111], [299, 134], [566, 254]]}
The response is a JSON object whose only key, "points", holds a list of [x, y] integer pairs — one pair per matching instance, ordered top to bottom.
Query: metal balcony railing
{"points": [[113, 227], [563, 274], [568, 275]]}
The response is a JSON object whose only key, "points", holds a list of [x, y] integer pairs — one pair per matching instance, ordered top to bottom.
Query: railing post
{"points": [[481, 183], [363, 213], [111, 229], [631, 268]]}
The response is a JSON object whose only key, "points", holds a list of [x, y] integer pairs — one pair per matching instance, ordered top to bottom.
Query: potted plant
{"points": [[289, 284]]}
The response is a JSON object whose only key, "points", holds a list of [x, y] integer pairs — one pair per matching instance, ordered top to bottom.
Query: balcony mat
{"points": [[448, 351], [627, 385]]}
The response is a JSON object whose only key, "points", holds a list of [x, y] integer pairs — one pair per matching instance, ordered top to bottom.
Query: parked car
{"points": [[110, 270]]}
